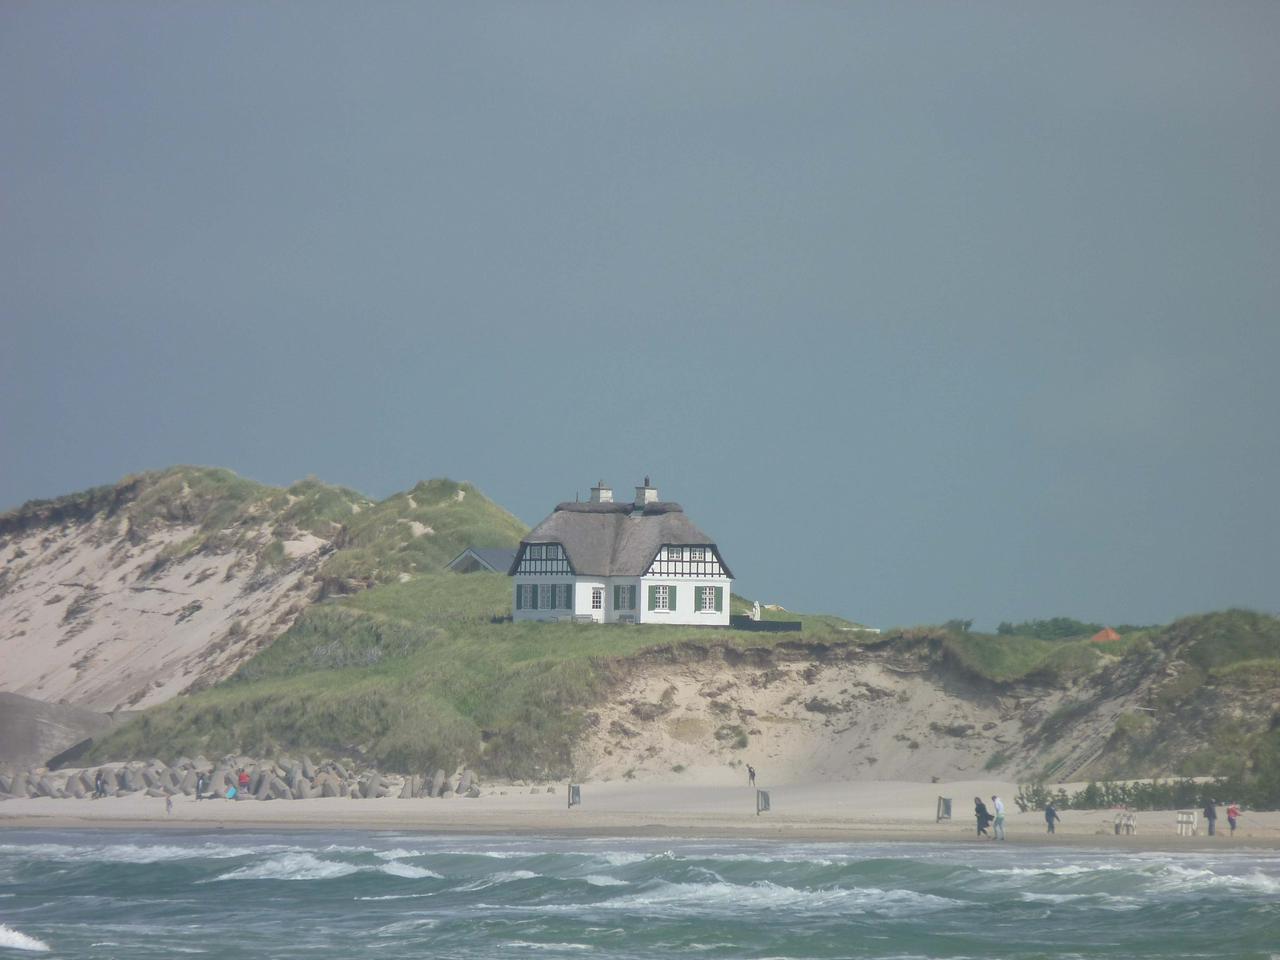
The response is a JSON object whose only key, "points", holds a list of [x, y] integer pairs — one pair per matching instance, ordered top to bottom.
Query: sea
{"points": [[108, 894]]}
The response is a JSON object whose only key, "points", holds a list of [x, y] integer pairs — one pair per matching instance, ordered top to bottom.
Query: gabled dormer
{"points": [[548, 558], [688, 560]]}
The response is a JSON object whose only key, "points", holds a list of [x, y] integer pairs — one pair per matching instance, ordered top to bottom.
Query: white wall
{"points": [[686, 610], [559, 613]]}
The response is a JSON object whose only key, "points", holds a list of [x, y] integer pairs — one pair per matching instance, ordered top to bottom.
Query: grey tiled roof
{"points": [[617, 539]]}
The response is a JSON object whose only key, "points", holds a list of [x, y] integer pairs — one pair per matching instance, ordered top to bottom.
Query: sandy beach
{"points": [[876, 810]]}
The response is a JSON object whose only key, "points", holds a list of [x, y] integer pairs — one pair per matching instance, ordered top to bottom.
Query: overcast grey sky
{"points": [[923, 310]]}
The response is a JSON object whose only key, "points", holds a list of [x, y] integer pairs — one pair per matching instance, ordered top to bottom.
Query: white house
{"points": [[638, 562]]}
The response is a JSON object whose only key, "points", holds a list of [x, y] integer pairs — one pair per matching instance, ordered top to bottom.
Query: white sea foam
{"points": [[134, 853], [399, 853], [620, 859], [292, 866], [1070, 870], [408, 871], [1171, 876], [496, 879], [598, 880], [1052, 897], [674, 898], [406, 926], [17, 940], [528, 945]]}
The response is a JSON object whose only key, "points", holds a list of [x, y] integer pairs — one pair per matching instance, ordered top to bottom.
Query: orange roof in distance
{"points": [[1103, 635]]}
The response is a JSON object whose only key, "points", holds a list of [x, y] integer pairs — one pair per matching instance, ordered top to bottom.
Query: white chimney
{"points": [[601, 494], [646, 494]]}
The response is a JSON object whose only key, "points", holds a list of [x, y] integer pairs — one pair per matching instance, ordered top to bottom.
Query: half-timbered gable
{"points": [[542, 559], [687, 560], [643, 561]]}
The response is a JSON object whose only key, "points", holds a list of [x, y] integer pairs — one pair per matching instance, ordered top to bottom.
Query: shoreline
{"points": [[866, 812]]}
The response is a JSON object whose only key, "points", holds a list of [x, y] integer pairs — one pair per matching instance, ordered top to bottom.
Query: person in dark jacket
{"points": [[981, 814], [1211, 815], [1051, 816]]}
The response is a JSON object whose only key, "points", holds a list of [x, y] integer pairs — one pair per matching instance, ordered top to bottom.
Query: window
{"points": [[535, 551], [551, 551], [675, 553], [697, 553], [527, 596], [624, 597], [661, 597], [597, 598], [708, 598]]}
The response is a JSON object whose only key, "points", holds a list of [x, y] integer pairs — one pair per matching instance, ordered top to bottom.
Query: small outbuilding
{"points": [[488, 559], [1104, 635]]}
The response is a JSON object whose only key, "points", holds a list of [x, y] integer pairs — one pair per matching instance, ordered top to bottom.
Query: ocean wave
{"points": [[134, 852], [399, 853], [620, 858], [292, 866], [308, 866], [1070, 870], [408, 871], [1176, 877], [497, 879], [597, 880], [701, 897], [17, 940], [528, 945]]}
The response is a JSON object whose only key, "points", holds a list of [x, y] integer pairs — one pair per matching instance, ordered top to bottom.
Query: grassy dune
{"points": [[413, 676]]}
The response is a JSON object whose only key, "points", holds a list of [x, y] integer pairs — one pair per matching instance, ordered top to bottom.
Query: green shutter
{"points": [[631, 594], [568, 595], [518, 597], [533, 597], [617, 597], [653, 597], [671, 597], [719, 599]]}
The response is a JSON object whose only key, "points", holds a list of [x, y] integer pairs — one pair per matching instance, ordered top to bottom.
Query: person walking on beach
{"points": [[751, 775], [243, 781], [99, 785], [200, 785], [997, 805], [1233, 814], [1051, 815], [1211, 815], [982, 816]]}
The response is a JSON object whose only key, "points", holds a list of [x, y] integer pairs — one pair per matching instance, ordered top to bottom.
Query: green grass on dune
{"points": [[419, 531], [417, 675]]}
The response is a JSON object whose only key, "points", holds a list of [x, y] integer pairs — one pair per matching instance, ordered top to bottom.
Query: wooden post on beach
{"points": [[575, 795], [762, 801], [944, 809]]}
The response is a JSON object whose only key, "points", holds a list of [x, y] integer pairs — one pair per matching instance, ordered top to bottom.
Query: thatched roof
{"points": [[616, 539]]}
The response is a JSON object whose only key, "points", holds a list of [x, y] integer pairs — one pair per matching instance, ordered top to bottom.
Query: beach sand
{"points": [[866, 810]]}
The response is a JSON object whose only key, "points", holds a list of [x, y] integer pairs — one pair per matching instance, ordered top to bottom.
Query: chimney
{"points": [[601, 494], [646, 494]]}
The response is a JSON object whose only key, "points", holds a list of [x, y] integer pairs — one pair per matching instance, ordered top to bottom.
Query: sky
{"points": [[922, 310]]}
